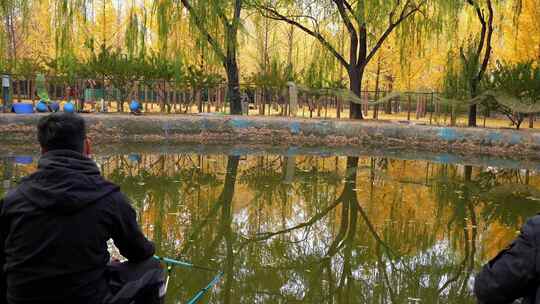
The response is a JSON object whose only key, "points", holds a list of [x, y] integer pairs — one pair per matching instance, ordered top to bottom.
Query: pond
{"points": [[318, 229]]}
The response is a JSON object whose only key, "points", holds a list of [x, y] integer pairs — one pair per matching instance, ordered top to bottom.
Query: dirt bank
{"points": [[16, 130]]}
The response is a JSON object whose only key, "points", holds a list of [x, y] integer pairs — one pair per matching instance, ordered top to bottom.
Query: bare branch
{"points": [[348, 6], [237, 10], [272, 13], [405, 13], [344, 16], [223, 17], [482, 20], [200, 25], [487, 55], [353, 59], [317, 217]]}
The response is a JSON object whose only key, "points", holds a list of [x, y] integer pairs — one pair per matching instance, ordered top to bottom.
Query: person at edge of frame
{"points": [[54, 228], [513, 275]]}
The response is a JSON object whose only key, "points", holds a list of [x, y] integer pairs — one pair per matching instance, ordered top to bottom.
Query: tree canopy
{"points": [[363, 45]]}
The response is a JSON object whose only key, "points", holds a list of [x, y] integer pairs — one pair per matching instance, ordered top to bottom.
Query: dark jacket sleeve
{"points": [[127, 235], [511, 274]]}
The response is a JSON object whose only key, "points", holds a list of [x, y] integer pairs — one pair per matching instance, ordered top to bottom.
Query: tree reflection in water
{"points": [[305, 229]]}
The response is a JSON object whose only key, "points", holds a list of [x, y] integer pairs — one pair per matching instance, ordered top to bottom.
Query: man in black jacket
{"points": [[55, 225], [515, 272]]}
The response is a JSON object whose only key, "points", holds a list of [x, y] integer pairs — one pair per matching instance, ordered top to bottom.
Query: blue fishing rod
{"points": [[182, 263], [199, 295]]}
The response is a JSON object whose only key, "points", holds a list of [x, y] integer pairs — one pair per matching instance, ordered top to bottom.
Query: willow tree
{"points": [[13, 14], [218, 22], [369, 23], [136, 32], [479, 59]]}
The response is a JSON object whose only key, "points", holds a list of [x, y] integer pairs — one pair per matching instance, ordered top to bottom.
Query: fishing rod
{"points": [[182, 263], [198, 296]]}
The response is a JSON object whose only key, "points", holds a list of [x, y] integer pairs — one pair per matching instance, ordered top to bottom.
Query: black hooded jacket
{"points": [[54, 229], [514, 274]]}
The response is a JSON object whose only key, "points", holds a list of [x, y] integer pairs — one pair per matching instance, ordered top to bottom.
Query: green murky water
{"points": [[319, 229]]}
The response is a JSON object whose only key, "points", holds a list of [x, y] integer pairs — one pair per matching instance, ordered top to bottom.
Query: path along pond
{"points": [[308, 228]]}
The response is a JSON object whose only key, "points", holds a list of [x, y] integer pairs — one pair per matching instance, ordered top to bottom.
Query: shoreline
{"points": [[17, 130]]}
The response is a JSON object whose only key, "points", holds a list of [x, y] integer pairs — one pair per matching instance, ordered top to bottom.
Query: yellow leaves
{"points": [[106, 22], [522, 40]]}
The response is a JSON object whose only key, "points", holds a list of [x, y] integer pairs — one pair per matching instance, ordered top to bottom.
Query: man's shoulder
{"points": [[12, 198], [112, 198], [534, 220], [531, 227]]}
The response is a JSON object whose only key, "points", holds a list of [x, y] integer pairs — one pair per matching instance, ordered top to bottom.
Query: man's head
{"points": [[62, 131]]}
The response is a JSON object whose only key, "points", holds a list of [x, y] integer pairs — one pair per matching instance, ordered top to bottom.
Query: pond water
{"points": [[319, 229]]}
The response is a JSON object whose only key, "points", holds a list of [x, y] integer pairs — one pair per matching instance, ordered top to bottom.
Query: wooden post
{"points": [[18, 86], [146, 98], [365, 101], [208, 103], [424, 105], [338, 107], [409, 107], [326, 108], [262, 109], [432, 109], [453, 117]]}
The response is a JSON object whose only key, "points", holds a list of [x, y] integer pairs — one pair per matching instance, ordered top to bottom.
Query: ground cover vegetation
{"points": [[438, 59]]}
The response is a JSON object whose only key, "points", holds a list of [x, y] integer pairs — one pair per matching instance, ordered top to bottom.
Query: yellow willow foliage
{"points": [[106, 21], [522, 40], [39, 42]]}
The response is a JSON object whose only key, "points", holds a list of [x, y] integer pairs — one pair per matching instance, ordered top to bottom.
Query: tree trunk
{"points": [[485, 41], [355, 79], [233, 83], [198, 99], [472, 115]]}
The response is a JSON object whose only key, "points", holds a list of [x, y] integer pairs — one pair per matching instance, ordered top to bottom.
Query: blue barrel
{"points": [[54, 106], [134, 106], [42, 107], [69, 107], [23, 108], [134, 158]]}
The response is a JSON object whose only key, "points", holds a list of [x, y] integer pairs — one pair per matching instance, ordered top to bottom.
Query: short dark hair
{"points": [[62, 131]]}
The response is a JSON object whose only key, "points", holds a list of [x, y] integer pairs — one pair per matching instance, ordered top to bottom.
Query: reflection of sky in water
{"points": [[277, 243]]}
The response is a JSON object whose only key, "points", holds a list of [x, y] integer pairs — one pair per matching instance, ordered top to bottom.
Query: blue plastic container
{"points": [[54, 106], [134, 106], [42, 107], [69, 107], [23, 108], [134, 158], [24, 160]]}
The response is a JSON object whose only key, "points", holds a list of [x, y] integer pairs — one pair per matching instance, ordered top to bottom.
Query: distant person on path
{"points": [[5, 92], [72, 95], [244, 99], [55, 225], [515, 272]]}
